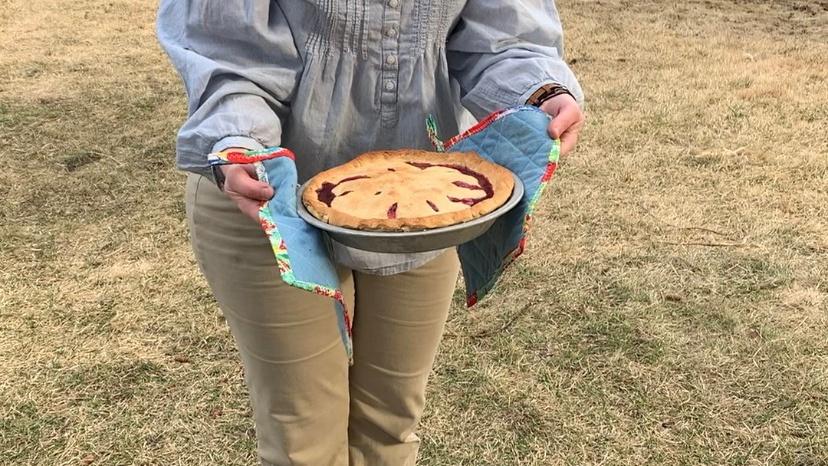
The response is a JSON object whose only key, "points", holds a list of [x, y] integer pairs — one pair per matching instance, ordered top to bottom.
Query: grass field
{"points": [[672, 307]]}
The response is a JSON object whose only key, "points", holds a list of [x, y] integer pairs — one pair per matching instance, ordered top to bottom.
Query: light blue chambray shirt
{"points": [[330, 79]]}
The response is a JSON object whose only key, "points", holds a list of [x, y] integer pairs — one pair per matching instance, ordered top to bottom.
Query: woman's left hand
{"points": [[567, 120]]}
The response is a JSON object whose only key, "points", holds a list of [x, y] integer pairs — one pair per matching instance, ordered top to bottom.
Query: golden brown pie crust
{"points": [[404, 190]]}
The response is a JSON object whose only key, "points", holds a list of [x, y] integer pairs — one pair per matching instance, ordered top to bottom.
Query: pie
{"points": [[404, 190]]}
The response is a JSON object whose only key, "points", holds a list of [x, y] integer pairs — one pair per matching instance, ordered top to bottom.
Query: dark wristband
{"points": [[546, 92], [218, 176]]}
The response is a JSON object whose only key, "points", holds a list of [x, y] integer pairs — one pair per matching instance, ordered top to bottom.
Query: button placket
{"points": [[389, 86]]}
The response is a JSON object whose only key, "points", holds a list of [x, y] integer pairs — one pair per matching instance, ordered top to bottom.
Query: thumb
{"points": [[567, 117], [242, 180]]}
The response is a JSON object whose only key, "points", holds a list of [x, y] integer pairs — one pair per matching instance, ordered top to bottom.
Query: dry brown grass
{"points": [[672, 308]]}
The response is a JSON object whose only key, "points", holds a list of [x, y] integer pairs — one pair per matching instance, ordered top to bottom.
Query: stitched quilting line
{"points": [[543, 173], [482, 290]]}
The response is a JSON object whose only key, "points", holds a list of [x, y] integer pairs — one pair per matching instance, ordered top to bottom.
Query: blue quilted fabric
{"points": [[516, 139], [519, 141], [301, 252], [308, 253]]}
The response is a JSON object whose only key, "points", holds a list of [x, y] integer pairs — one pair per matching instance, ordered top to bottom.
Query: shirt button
{"points": [[393, 3], [391, 32], [391, 59], [389, 85]]}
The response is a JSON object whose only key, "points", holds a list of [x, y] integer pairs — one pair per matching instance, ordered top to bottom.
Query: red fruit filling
{"points": [[483, 183], [325, 192]]}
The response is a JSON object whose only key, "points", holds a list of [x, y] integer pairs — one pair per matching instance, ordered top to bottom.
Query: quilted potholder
{"points": [[515, 138], [300, 250]]}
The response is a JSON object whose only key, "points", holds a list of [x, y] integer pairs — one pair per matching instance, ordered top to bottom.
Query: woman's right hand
{"points": [[243, 186]]}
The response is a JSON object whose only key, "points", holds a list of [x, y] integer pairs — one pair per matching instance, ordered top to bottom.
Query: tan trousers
{"points": [[309, 407]]}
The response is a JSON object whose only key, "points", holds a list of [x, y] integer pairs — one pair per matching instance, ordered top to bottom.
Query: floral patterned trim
{"points": [[481, 125], [440, 146], [250, 156], [278, 245], [280, 251]]}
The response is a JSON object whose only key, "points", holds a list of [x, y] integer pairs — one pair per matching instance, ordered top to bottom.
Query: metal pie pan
{"points": [[411, 241]]}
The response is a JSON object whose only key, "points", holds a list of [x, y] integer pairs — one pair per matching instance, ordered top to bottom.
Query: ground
{"points": [[672, 307]]}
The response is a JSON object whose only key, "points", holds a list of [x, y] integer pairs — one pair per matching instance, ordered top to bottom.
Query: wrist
{"points": [[554, 104], [219, 173]]}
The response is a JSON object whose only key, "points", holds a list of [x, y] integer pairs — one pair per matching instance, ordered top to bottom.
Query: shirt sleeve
{"points": [[500, 52], [239, 65]]}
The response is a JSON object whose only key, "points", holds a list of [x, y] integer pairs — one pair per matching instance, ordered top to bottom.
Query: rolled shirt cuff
{"points": [[227, 142], [245, 142]]}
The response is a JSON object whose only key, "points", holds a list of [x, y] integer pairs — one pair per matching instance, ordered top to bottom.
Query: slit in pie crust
{"points": [[404, 190]]}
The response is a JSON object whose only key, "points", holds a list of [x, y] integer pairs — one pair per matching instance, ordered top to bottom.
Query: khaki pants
{"points": [[310, 407]]}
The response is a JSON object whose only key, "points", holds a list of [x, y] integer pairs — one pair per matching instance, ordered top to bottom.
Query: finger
{"points": [[568, 116], [568, 141], [251, 170], [244, 183], [249, 207]]}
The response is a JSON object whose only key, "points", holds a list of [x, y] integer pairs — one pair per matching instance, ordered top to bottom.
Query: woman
{"points": [[330, 79]]}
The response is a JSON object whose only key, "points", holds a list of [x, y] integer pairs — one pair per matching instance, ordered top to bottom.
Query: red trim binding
{"points": [[474, 129], [241, 157], [550, 170], [345, 317]]}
